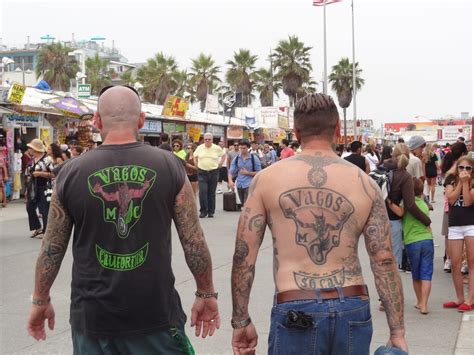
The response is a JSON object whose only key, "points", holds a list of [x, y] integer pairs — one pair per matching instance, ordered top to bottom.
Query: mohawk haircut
{"points": [[316, 115]]}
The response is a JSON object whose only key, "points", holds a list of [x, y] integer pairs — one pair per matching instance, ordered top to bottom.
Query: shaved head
{"points": [[119, 107]]}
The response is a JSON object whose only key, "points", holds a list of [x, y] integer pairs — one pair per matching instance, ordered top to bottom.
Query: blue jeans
{"points": [[207, 190], [397, 240], [340, 326], [167, 341]]}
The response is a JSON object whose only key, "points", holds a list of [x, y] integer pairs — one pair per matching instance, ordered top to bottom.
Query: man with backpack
{"points": [[245, 166]]}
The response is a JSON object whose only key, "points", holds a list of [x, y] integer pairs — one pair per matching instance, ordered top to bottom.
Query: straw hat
{"points": [[37, 145]]}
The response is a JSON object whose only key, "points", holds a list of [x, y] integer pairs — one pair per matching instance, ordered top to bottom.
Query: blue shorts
{"points": [[421, 255]]}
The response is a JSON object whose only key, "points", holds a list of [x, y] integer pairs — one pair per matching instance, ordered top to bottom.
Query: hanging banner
{"points": [[16, 93], [212, 104], [175, 107], [268, 116], [283, 122], [234, 132], [194, 133], [276, 135], [44, 136], [10, 138]]}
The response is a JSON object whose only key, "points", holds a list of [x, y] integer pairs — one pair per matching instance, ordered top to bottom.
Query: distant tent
{"points": [[42, 85]]}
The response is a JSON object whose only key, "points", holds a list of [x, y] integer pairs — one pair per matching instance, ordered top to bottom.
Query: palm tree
{"points": [[292, 62], [56, 67], [98, 74], [239, 74], [203, 75], [127, 78], [157, 78], [341, 80], [267, 86], [308, 87]]}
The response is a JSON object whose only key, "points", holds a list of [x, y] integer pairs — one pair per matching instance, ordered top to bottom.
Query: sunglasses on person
{"points": [[105, 88], [208, 139], [176, 145], [464, 167]]}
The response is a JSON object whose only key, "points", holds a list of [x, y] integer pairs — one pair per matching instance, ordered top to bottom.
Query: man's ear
{"points": [[141, 120], [98, 121], [338, 129], [297, 133]]}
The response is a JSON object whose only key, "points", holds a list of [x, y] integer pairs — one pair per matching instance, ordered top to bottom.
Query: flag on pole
{"points": [[322, 2]]}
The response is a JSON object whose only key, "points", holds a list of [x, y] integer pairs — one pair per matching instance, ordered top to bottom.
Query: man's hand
{"points": [[244, 171], [231, 184], [205, 316], [36, 319], [244, 340], [399, 342]]}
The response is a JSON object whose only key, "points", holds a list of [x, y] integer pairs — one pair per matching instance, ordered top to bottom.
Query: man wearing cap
{"points": [[415, 165], [38, 177], [121, 199], [316, 215]]}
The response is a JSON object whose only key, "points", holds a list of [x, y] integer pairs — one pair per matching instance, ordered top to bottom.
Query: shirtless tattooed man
{"points": [[316, 215]]}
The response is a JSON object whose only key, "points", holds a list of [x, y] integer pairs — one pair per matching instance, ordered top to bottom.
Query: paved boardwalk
{"points": [[435, 333]]}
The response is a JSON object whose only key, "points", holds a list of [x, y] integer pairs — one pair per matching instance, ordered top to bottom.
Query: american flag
{"points": [[321, 2]]}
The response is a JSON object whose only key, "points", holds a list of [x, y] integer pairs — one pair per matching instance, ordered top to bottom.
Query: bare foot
{"points": [[424, 311]]}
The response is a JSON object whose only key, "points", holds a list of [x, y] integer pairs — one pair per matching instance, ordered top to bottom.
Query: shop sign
{"points": [[83, 91], [16, 93], [175, 107], [269, 116], [25, 120], [283, 121], [151, 126], [169, 127], [216, 130], [234, 132], [452, 133], [276, 135]]}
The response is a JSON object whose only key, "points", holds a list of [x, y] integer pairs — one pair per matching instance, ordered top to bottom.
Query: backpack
{"points": [[251, 157], [383, 178]]}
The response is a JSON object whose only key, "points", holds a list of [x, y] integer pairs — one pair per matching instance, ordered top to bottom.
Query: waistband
{"points": [[207, 171], [321, 293]]}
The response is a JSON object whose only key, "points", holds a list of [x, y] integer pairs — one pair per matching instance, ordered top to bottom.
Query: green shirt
{"points": [[413, 229]]}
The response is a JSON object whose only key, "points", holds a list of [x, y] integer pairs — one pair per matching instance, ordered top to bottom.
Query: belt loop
{"points": [[341, 294], [318, 295], [275, 298]]}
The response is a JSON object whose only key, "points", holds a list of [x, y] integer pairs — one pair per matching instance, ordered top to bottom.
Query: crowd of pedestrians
{"points": [[328, 200]]}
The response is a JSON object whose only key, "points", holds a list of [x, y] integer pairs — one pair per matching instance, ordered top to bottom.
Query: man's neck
{"points": [[115, 137], [325, 147]]}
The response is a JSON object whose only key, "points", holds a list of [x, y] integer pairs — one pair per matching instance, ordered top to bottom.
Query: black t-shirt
{"points": [[356, 159], [121, 200], [459, 215]]}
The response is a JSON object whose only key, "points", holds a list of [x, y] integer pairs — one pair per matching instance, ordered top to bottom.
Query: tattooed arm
{"points": [[250, 232], [192, 239], [53, 248], [51, 255], [382, 262], [204, 313]]}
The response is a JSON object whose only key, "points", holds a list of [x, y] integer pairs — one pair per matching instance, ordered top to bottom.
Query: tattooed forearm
{"points": [[250, 234], [192, 239], [53, 248], [382, 262], [243, 274]]}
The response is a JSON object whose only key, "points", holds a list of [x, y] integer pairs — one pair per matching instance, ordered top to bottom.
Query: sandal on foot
{"points": [[36, 233], [451, 304], [465, 308]]}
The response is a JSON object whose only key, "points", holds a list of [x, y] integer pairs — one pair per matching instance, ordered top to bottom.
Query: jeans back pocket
{"points": [[360, 336], [291, 341]]}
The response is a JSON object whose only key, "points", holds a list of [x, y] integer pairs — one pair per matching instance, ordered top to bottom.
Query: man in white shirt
{"points": [[415, 165]]}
